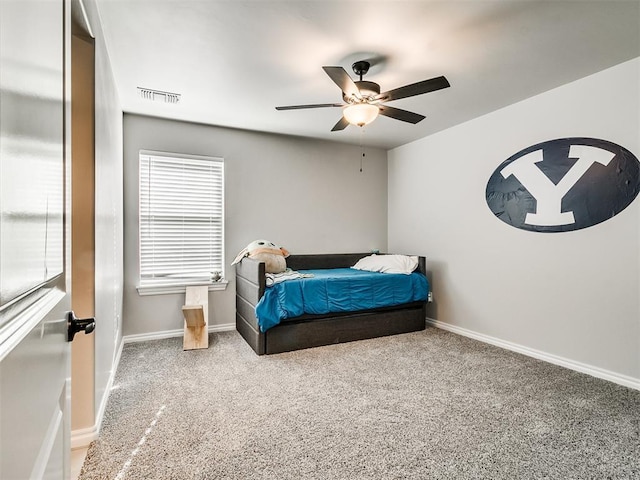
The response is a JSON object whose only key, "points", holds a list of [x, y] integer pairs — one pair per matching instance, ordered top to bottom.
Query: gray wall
{"points": [[305, 195], [570, 295]]}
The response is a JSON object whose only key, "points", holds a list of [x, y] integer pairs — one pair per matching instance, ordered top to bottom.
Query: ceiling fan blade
{"points": [[341, 78], [418, 88], [316, 105], [399, 114], [341, 125]]}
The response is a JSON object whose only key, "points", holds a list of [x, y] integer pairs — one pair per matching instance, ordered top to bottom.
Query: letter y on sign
{"points": [[547, 194]]}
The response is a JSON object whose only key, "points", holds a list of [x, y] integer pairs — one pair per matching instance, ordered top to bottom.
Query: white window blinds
{"points": [[181, 218]]}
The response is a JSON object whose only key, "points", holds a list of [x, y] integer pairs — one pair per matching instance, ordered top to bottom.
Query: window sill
{"points": [[172, 289]]}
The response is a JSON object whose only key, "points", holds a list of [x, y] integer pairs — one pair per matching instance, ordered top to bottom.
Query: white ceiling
{"points": [[234, 61]]}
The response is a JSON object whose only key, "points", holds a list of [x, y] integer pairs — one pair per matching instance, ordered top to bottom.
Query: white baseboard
{"points": [[144, 337], [614, 377], [82, 437]]}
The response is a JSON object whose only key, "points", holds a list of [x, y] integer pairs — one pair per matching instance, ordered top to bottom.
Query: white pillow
{"points": [[387, 264]]}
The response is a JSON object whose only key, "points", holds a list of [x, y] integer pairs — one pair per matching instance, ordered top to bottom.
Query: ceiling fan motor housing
{"points": [[368, 90]]}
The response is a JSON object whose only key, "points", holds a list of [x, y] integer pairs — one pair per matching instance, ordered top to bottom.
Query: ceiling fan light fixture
{"points": [[361, 114]]}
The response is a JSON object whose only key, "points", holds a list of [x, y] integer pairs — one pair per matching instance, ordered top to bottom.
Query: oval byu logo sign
{"points": [[563, 185]]}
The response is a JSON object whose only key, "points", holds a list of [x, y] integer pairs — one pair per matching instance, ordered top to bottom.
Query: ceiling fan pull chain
{"points": [[361, 146]]}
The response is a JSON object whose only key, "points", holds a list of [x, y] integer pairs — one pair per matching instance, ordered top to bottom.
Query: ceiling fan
{"points": [[363, 100]]}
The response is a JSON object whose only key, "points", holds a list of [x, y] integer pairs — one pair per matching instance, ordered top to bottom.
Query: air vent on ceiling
{"points": [[158, 95]]}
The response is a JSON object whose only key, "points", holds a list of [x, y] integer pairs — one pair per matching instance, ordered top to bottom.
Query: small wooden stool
{"points": [[196, 313]]}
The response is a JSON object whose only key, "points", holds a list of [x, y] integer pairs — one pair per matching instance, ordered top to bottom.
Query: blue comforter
{"points": [[338, 290]]}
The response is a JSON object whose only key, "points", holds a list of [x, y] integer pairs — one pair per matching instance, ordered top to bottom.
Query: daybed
{"points": [[307, 330]]}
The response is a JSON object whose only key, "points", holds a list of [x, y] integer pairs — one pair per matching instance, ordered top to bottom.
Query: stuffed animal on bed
{"points": [[265, 251]]}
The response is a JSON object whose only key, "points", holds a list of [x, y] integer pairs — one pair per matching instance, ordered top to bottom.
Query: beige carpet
{"points": [[425, 405]]}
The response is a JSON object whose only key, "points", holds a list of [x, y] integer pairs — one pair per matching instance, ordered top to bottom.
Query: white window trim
{"points": [[180, 287]]}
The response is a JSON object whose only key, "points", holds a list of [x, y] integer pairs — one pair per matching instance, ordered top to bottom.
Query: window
{"points": [[181, 220]]}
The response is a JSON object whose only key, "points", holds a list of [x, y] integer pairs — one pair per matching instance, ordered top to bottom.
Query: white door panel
{"points": [[34, 273], [34, 397]]}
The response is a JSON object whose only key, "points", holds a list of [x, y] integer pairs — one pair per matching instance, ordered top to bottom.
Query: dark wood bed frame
{"points": [[316, 330]]}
